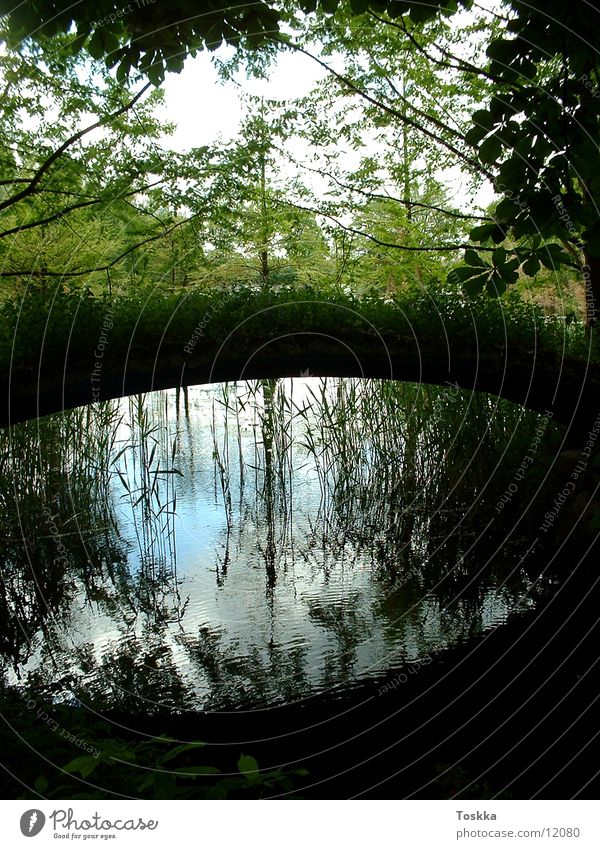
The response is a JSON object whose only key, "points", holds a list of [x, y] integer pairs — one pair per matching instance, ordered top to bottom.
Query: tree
{"points": [[145, 35], [382, 130], [539, 134], [536, 141], [84, 178], [251, 217]]}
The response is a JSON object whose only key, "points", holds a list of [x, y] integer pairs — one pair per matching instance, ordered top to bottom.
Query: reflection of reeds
{"points": [[264, 408], [221, 452], [403, 470], [147, 473], [395, 476], [56, 518], [61, 537]]}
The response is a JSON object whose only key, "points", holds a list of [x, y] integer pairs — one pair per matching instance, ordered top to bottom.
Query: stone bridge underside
{"points": [[569, 389]]}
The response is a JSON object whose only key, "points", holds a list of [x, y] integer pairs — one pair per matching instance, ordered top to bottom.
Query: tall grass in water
{"points": [[260, 471], [414, 471], [56, 522], [58, 525]]}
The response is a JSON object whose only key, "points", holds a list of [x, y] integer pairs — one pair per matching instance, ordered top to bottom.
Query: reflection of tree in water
{"points": [[267, 463], [413, 474], [408, 477], [57, 530], [349, 628], [139, 669], [134, 673], [230, 675]]}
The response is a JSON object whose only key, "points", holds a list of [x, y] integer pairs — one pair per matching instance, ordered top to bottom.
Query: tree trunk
{"points": [[406, 163], [264, 248], [591, 281]]}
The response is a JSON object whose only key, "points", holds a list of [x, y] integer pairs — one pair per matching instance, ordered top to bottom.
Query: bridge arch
{"points": [[569, 390]]}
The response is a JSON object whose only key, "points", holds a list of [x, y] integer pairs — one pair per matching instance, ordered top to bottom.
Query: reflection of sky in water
{"points": [[328, 617]]}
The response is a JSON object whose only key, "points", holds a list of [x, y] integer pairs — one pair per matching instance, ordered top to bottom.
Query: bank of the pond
{"points": [[60, 350]]}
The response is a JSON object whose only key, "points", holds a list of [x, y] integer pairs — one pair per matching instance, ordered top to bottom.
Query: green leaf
{"points": [[358, 6], [421, 13], [111, 41], [76, 45], [95, 46], [503, 51], [175, 63], [123, 69], [527, 69], [155, 73], [497, 106], [483, 119], [475, 134], [490, 149], [512, 174], [506, 210], [524, 227], [481, 233], [498, 234], [554, 249], [499, 256], [553, 256], [473, 258], [547, 261], [531, 266], [459, 275], [508, 275], [475, 285], [496, 286], [178, 750], [84, 765], [248, 765], [197, 770], [41, 784], [164, 785]]}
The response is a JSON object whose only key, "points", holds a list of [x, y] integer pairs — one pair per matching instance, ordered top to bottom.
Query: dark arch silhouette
{"points": [[567, 389]]}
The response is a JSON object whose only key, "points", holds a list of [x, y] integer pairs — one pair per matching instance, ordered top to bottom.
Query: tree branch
{"points": [[462, 65], [70, 141], [473, 163], [402, 201], [61, 213], [380, 242], [99, 268]]}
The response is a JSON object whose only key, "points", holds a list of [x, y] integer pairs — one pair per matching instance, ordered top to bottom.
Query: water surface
{"points": [[260, 542]]}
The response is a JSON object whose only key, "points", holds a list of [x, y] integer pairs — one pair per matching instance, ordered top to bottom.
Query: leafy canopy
{"points": [[154, 37]]}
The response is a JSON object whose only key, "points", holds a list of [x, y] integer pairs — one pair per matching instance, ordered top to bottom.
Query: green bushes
{"points": [[58, 323], [69, 752]]}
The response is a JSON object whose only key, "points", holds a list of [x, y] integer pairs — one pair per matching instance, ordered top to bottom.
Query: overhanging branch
{"points": [[33, 183]]}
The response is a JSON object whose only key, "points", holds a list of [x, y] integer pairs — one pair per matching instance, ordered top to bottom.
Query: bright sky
{"points": [[204, 108]]}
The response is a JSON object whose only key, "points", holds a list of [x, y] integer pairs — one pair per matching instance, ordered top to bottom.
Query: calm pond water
{"points": [[259, 542]]}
